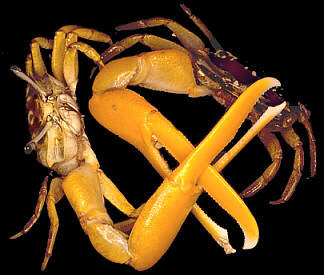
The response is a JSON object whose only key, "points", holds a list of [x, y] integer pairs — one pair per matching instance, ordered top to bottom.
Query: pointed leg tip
{"points": [[185, 9], [313, 169], [250, 191], [245, 195], [282, 200], [277, 202], [16, 236], [45, 262]]}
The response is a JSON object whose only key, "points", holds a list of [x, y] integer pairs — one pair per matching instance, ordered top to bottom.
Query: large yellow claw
{"points": [[131, 117], [166, 210]]}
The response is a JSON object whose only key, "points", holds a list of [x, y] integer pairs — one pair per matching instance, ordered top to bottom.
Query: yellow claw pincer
{"points": [[132, 118]]}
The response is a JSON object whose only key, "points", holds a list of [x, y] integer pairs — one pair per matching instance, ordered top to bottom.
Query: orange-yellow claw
{"points": [[132, 118], [199, 159], [167, 209]]}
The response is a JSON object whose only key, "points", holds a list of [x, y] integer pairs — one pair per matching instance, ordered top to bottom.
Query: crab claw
{"points": [[131, 117], [198, 161]]}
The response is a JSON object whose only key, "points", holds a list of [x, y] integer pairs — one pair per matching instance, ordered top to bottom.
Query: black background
{"points": [[273, 39]]}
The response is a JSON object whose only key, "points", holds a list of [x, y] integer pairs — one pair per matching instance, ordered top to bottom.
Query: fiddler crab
{"points": [[58, 136]]}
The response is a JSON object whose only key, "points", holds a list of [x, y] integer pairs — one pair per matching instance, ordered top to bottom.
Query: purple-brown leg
{"points": [[293, 140], [272, 145]]}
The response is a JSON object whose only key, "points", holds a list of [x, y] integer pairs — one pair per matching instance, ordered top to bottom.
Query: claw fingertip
{"points": [[271, 82], [250, 239]]}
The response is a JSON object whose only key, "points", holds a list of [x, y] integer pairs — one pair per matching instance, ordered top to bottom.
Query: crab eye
{"points": [[29, 147]]}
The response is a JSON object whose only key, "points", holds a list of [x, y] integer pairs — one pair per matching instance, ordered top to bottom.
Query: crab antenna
{"points": [[18, 72]]}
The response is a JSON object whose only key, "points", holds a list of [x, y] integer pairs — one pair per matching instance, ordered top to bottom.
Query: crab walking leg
{"points": [[202, 27], [187, 38], [152, 41], [61, 42], [38, 63], [55, 194], [38, 210]]}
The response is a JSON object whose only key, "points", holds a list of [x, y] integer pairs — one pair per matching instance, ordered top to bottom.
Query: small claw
{"points": [[83, 191]]}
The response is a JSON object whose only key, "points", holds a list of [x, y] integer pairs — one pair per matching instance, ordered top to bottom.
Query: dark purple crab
{"points": [[227, 79]]}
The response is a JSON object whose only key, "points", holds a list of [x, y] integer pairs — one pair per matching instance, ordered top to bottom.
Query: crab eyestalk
{"points": [[18, 72], [30, 146]]}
